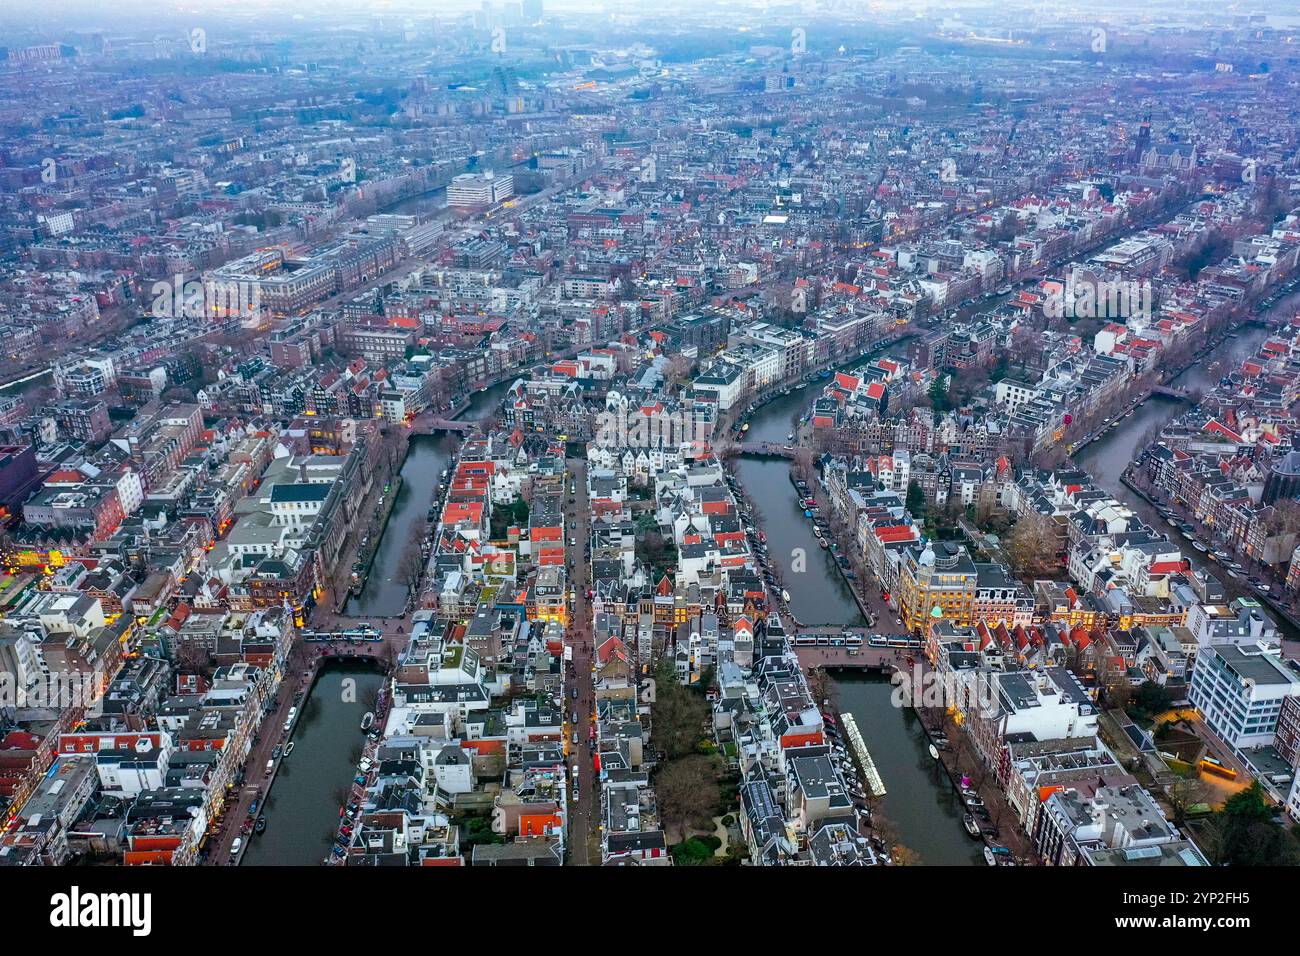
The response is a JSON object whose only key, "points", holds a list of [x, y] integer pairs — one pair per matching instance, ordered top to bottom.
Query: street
{"points": [[267, 737], [582, 815]]}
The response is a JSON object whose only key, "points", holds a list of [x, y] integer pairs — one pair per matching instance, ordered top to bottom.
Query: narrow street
{"points": [[256, 781], [583, 817]]}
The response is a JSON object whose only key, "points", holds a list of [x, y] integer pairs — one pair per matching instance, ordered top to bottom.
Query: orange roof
{"points": [[458, 512], [1166, 567]]}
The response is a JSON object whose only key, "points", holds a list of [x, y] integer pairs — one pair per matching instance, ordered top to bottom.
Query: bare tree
{"points": [[678, 371], [803, 466], [1031, 545], [411, 565], [193, 658], [821, 685], [686, 790], [1183, 793]]}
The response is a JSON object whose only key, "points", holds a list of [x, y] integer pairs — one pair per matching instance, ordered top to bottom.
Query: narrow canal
{"points": [[1108, 457], [818, 592], [384, 593], [919, 804], [303, 805], [302, 809]]}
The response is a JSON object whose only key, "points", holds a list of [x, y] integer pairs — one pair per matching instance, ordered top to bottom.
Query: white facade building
{"points": [[1239, 691]]}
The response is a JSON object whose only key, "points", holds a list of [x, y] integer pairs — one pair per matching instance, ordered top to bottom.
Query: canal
{"points": [[428, 206], [28, 382], [1108, 457], [385, 592], [818, 592], [920, 804], [303, 805], [920, 807], [302, 809]]}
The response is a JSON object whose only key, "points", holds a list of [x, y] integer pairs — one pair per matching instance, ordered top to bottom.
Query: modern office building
{"points": [[469, 190], [1239, 691]]}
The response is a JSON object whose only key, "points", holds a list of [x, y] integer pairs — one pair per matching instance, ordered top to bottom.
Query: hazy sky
{"points": [[20, 20]]}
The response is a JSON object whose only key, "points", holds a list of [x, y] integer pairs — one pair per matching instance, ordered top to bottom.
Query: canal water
{"points": [[431, 205], [19, 388], [1106, 458], [384, 593], [819, 594], [919, 804], [303, 805], [302, 809]]}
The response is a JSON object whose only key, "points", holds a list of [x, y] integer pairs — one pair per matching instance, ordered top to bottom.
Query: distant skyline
{"points": [[57, 11]]}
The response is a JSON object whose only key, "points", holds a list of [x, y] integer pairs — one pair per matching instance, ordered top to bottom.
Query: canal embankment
{"points": [[386, 592], [301, 798], [920, 814]]}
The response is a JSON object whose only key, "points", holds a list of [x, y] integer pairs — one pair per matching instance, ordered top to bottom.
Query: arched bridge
{"points": [[450, 425], [767, 448]]}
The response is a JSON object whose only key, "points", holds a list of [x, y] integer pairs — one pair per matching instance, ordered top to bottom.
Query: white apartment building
{"points": [[480, 189], [1239, 691], [1044, 704]]}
